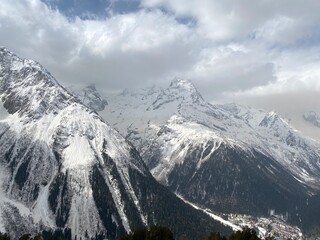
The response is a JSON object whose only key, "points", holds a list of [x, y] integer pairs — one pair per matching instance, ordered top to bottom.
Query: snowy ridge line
{"points": [[212, 215]]}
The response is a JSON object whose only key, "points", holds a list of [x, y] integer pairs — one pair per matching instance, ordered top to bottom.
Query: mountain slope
{"points": [[228, 158], [62, 166]]}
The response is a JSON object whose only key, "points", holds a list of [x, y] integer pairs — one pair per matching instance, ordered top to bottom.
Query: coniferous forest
{"points": [[146, 233]]}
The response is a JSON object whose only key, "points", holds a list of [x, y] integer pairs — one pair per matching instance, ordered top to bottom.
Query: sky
{"points": [[262, 53]]}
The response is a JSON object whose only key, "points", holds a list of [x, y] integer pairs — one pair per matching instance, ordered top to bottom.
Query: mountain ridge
{"points": [[170, 129], [62, 166]]}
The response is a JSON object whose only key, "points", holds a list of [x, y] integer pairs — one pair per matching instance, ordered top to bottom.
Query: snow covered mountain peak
{"points": [[9, 59], [183, 84], [27, 89], [186, 89], [180, 92], [273, 120]]}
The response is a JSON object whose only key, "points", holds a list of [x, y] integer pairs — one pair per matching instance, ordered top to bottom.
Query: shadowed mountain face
{"points": [[63, 166]]}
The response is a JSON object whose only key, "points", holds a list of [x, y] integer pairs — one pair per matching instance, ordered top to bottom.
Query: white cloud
{"points": [[232, 19], [250, 48], [121, 51], [232, 69]]}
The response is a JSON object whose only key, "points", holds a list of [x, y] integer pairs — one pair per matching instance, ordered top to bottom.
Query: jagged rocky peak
{"points": [[15, 63], [182, 83], [92, 86], [185, 88], [28, 89], [179, 92], [89, 96], [256, 117], [313, 118], [275, 121]]}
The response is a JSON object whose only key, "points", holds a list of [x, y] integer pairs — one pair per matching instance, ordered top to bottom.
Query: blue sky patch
{"points": [[87, 9]]}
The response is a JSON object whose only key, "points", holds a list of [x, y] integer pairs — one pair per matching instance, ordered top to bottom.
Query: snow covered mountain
{"points": [[228, 158], [62, 166]]}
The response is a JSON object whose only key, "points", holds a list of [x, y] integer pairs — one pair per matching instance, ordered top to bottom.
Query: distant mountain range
{"points": [[228, 158], [62, 166]]}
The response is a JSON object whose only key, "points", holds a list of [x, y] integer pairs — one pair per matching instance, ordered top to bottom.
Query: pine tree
{"points": [[245, 234], [4, 236], [216, 236]]}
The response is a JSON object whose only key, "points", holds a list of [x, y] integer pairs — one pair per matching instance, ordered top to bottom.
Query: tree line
{"points": [[146, 233], [164, 233]]}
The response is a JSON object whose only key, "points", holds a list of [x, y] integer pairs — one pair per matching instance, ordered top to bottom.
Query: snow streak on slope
{"points": [[214, 216]]}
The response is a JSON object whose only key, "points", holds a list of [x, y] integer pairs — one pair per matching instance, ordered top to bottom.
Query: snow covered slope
{"points": [[228, 157], [62, 166]]}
